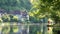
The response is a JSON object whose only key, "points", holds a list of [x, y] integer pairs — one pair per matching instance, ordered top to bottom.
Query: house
{"points": [[2, 11], [20, 14]]}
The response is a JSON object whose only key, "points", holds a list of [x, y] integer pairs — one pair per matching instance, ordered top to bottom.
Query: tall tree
{"points": [[47, 7]]}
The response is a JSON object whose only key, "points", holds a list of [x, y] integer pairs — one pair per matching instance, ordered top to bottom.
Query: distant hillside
{"points": [[9, 5]]}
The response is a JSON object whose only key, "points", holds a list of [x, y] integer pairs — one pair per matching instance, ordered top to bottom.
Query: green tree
{"points": [[46, 7], [50, 8]]}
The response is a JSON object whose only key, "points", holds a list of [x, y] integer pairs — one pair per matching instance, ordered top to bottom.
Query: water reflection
{"points": [[18, 28]]}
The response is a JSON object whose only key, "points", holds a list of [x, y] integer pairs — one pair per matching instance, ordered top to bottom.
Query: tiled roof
{"points": [[2, 11], [15, 12]]}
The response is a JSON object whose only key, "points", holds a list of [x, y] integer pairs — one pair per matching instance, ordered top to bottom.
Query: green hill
{"points": [[8, 5]]}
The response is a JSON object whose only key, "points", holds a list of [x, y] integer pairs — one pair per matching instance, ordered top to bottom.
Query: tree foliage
{"points": [[15, 5], [49, 8]]}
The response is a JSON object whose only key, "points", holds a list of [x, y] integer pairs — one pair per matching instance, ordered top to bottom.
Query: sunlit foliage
{"points": [[49, 8]]}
